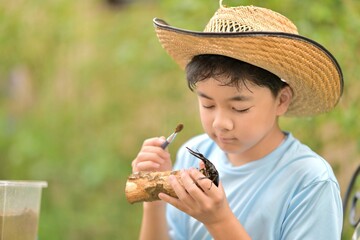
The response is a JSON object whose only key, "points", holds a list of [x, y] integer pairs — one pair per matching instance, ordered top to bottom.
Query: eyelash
{"points": [[208, 107], [236, 110], [242, 110]]}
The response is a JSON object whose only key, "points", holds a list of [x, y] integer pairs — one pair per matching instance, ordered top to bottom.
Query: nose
{"points": [[222, 121]]}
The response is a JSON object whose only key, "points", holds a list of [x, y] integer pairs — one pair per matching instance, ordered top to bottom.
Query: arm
{"points": [[153, 158], [207, 203], [154, 224], [231, 225]]}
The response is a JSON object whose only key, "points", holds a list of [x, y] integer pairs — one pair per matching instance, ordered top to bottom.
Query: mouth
{"points": [[226, 140]]}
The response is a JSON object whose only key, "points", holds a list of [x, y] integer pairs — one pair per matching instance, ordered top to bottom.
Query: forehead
{"points": [[225, 83], [213, 88]]}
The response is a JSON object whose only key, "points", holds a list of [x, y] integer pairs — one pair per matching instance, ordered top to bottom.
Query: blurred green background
{"points": [[83, 83]]}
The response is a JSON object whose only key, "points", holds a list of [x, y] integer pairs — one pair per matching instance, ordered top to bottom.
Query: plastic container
{"points": [[20, 209]]}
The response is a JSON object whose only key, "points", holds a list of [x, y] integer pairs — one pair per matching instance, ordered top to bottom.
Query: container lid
{"points": [[23, 183]]}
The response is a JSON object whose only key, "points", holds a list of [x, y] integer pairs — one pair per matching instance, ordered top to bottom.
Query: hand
{"points": [[152, 157], [199, 197]]}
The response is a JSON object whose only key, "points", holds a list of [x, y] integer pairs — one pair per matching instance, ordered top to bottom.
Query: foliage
{"points": [[82, 85]]}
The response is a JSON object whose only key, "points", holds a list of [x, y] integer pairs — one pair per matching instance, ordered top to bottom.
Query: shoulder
{"points": [[306, 164]]}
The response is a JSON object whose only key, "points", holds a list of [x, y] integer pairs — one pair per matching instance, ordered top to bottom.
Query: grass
{"points": [[82, 85]]}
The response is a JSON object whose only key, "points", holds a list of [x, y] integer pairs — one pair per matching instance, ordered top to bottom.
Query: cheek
{"points": [[206, 119], [255, 124]]}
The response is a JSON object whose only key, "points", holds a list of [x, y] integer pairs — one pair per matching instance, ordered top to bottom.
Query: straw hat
{"points": [[268, 40]]}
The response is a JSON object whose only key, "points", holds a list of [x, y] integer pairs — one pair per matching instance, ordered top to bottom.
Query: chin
{"points": [[228, 148]]}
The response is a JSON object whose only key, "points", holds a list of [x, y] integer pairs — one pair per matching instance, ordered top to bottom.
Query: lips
{"points": [[225, 139]]}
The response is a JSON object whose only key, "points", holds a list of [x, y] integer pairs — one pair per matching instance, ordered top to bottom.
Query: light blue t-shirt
{"points": [[291, 194]]}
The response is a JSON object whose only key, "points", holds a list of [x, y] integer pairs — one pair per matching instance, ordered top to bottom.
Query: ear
{"points": [[284, 99]]}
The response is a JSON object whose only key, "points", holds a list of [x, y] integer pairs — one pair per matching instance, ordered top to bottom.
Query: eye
{"points": [[208, 106], [244, 110]]}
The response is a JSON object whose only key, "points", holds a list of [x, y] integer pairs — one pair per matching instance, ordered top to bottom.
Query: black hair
{"points": [[237, 73]]}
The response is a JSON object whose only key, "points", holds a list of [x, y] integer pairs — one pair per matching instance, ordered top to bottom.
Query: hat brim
{"points": [[310, 70]]}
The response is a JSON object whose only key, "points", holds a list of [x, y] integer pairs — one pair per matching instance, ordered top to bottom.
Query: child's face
{"points": [[240, 120]]}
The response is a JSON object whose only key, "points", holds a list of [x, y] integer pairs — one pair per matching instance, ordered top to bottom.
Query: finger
{"points": [[156, 141], [155, 149], [150, 156], [146, 162], [146, 166], [203, 182], [180, 188], [192, 188], [171, 200], [175, 202], [184, 202]]}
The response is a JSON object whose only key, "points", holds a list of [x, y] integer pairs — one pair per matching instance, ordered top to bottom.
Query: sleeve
{"points": [[315, 212]]}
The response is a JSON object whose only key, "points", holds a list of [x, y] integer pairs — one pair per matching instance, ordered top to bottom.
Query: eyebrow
{"points": [[234, 98]]}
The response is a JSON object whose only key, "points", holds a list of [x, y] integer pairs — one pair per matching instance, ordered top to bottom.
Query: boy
{"points": [[248, 68]]}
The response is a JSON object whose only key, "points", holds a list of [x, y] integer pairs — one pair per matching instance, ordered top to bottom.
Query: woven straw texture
{"points": [[249, 19], [268, 40]]}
